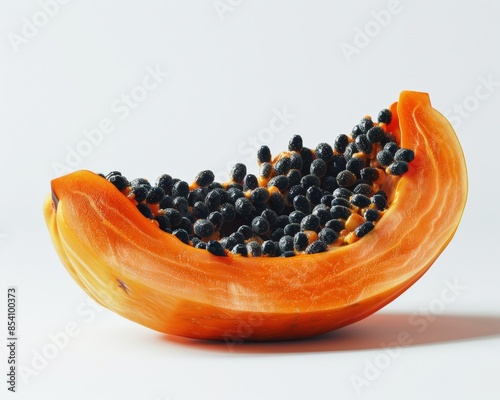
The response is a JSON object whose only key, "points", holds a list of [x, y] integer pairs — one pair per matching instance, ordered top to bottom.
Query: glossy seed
{"points": [[385, 116], [365, 124], [356, 131], [375, 134], [341, 142], [295, 143], [364, 144], [391, 147], [350, 150], [324, 152], [263, 155], [404, 155], [385, 158], [307, 159], [296, 161], [355, 165], [282, 166], [318, 167], [398, 168], [266, 170], [238, 172], [112, 173], [370, 174], [294, 176], [204, 178], [346, 178], [310, 180], [119, 181], [140, 181], [165, 181], [280, 181], [250, 182], [329, 184], [363, 188], [180, 189], [295, 190], [140, 192], [343, 193], [234, 194], [259, 195], [314, 195], [193, 197], [327, 199], [213, 200], [360, 200], [339, 201], [379, 201], [276, 202], [300, 203], [181, 204], [243, 206], [318, 207], [200, 210], [228, 211], [340, 212], [371, 214], [173, 216], [270, 216], [296, 216], [324, 216], [216, 218], [283, 220], [163, 223], [309, 223], [335, 224], [186, 225], [260, 225], [203, 228], [364, 228], [291, 229], [246, 231], [182, 235], [327, 235], [237, 237], [195, 241], [300, 241], [228, 242], [286, 243], [201, 245], [214, 247], [315, 247], [269, 248], [240, 249], [254, 249], [287, 254]]}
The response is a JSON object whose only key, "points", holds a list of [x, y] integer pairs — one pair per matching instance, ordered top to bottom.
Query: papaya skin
{"points": [[124, 262]]}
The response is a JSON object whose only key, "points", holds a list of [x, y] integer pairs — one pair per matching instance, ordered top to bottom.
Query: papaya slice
{"points": [[124, 262]]}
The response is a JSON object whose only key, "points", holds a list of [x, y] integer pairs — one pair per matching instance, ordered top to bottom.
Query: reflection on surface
{"points": [[379, 330]]}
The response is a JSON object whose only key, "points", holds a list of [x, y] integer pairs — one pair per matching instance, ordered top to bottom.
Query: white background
{"points": [[228, 72]]}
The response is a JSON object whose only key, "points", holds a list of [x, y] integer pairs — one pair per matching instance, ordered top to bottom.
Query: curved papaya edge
{"points": [[124, 262]]}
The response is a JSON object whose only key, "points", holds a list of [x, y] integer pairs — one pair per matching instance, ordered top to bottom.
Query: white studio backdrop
{"points": [[175, 87]]}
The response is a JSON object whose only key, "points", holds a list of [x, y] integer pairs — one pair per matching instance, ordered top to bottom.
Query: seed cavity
{"points": [[301, 202]]}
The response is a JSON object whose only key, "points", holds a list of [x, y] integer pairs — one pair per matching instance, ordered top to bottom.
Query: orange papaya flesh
{"points": [[127, 264]]}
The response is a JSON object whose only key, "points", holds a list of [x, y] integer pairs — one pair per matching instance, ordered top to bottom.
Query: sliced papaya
{"points": [[119, 244]]}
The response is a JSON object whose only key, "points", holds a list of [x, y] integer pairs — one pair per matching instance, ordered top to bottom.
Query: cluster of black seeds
{"points": [[302, 201]]}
